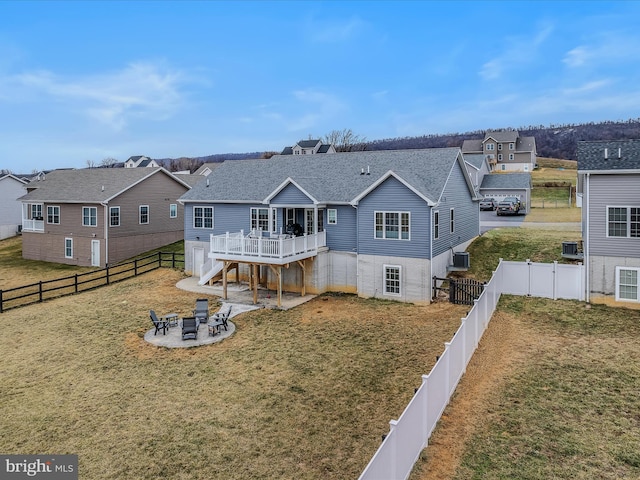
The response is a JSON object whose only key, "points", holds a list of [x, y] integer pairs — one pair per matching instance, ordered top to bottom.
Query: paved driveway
{"points": [[489, 220]]}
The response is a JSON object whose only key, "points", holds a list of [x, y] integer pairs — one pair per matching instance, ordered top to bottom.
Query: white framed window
{"points": [[489, 146], [499, 146], [512, 146], [512, 156], [499, 157], [503, 167], [526, 167], [173, 210], [36, 211], [53, 214], [144, 214], [89, 216], [114, 216], [289, 216], [332, 216], [202, 217], [260, 219], [321, 220], [308, 221], [451, 221], [623, 222], [392, 225], [436, 225], [68, 248], [392, 282], [627, 284]]}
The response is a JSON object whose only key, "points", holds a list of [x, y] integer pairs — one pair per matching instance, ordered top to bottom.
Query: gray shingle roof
{"points": [[502, 136], [308, 143], [526, 144], [472, 145], [324, 148], [287, 151], [621, 155], [475, 159], [332, 178], [506, 180], [85, 185]]}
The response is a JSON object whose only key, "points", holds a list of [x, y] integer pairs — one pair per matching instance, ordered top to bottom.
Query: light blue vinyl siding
{"points": [[611, 191], [291, 195], [393, 196], [466, 213], [226, 218], [342, 235]]}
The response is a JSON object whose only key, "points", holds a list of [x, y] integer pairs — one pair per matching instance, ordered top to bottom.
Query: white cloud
{"points": [[605, 48], [139, 90], [317, 106]]}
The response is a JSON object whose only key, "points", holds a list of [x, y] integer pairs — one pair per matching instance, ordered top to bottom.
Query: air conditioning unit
{"points": [[569, 248], [461, 259]]}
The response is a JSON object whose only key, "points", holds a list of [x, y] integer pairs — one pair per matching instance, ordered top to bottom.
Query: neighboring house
{"points": [[309, 147], [505, 150], [140, 161], [477, 166], [206, 168], [609, 178], [501, 185], [11, 188], [94, 217], [375, 223]]}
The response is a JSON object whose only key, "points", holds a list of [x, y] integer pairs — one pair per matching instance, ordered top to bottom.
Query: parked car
{"points": [[488, 204], [508, 206]]}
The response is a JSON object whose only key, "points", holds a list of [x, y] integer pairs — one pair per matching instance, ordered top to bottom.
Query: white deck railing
{"points": [[29, 225], [282, 247]]}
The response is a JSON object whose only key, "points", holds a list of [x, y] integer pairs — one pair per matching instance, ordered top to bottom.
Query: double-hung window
{"points": [[490, 146], [512, 156], [173, 210], [36, 211], [53, 214], [144, 214], [89, 216], [114, 216], [332, 216], [202, 217], [260, 219], [623, 222], [452, 224], [392, 225], [436, 225], [68, 248], [392, 279], [627, 283]]}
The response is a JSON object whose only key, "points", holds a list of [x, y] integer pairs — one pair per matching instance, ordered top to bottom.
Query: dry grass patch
{"points": [[553, 215], [304, 393], [561, 402]]}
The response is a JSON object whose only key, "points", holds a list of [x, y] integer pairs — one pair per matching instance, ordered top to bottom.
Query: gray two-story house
{"points": [[609, 179], [379, 224]]}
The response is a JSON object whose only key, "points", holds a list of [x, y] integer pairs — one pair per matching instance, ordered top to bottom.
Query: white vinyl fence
{"points": [[409, 435]]}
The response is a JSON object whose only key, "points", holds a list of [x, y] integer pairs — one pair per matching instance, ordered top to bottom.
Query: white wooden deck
{"points": [[278, 251]]}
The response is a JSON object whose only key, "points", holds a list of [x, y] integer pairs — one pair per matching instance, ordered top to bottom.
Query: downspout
{"points": [[105, 207], [586, 239], [357, 252], [431, 254]]}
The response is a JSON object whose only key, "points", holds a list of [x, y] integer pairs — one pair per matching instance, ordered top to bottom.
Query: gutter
{"points": [[105, 207], [586, 239]]}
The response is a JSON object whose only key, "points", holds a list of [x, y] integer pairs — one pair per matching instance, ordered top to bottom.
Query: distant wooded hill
{"points": [[554, 141]]}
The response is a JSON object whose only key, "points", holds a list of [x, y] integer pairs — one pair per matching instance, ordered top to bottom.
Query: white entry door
{"points": [[95, 253], [198, 261]]}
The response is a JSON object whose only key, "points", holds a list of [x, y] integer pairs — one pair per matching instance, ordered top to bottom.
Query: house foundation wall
{"points": [[602, 274], [415, 279]]}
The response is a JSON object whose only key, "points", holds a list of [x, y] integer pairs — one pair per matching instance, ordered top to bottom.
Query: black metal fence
{"points": [[82, 282], [462, 291]]}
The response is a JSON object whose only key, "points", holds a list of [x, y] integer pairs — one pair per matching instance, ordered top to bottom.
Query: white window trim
{"points": [[490, 146], [499, 146], [512, 146], [512, 156], [499, 157], [173, 207], [628, 209], [331, 211], [53, 215], [96, 217], [119, 219], [140, 222], [257, 224], [436, 224], [203, 227], [384, 232], [70, 240], [384, 280], [618, 298]]}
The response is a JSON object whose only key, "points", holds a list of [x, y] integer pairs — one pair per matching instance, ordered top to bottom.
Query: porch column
{"points": [[303, 267], [277, 270], [254, 279]]}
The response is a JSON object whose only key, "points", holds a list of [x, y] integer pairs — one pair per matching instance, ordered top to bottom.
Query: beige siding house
{"points": [[505, 150], [11, 188], [95, 217]]}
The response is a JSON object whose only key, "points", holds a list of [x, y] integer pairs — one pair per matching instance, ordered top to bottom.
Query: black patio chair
{"points": [[201, 312], [220, 319], [159, 324], [189, 328]]}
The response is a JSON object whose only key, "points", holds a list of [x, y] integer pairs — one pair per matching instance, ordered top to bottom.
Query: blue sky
{"points": [[89, 80]]}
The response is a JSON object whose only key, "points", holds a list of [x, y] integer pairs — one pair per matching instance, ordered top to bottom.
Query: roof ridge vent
{"points": [[619, 152], [606, 153]]}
